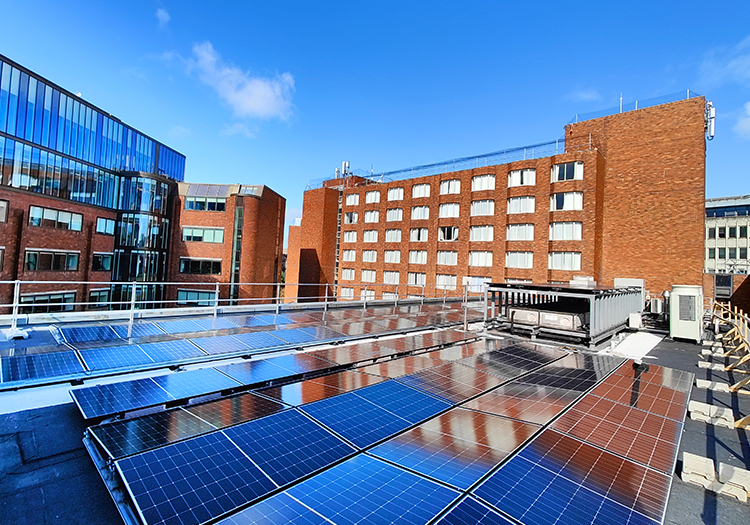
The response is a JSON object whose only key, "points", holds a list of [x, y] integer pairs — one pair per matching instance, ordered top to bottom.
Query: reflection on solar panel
{"points": [[270, 319], [219, 323], [395, 324], [179, 327], [139, 330], [322, 333], [80, 334], [293, 336], [257, 340], [221, 344], [171, 350], [356, 353], [114, 357], [512, 361], [300, 363], [38, 366], [401, 366], [253, 372], [574, 372], [661, 376], [452, 381], [192, 383], [319, 388], [108, 399], [407, 403], [230, 411], [624, 430], [287, 445], [458, 447], [558, 479], [192, 481], [366, 489], [280, 508], [471, 512]]}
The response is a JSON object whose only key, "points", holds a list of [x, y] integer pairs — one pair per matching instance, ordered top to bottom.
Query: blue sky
{"points": [[279, 93]]}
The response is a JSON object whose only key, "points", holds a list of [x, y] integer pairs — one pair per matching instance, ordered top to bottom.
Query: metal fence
{"points": [[632, 106]]}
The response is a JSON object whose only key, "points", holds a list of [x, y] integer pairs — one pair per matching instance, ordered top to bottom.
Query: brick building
{"points": [[624, 197]]}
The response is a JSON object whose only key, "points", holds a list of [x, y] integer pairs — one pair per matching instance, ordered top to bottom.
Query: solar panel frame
{"points": [[220, 323], [180, 326], [139, 330], [82, 334], [294, 336], [259, 340], [221, 344], [165, 351], [114, 357], [301, 363], [40, 366], [400, 366], [254, 372], [452, 381], [194, 383], [311, 390], [115, 398], [408, 403], [233, 410], [279, 508], [470, 511]]}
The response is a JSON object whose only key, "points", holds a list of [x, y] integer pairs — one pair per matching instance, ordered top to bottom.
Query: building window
{"points": [[567, 171], [525, 177], [483, 182], [450, 186], [420, 190], [396, 194], [372, 197], [352, 199], [570, 200], [205, 204], [521, 205], [485, 207], [448, 210], [3, 211], [420, 213], [372, 215], [394, 215], [350, 217], [49, 218], [105, 226], [565, 231], [519, 232], [722, 232], [743, 232], [448, 233], [482, 233], [712, 233], [732, 233], [214, 235], [392, 235], [418, 235], [350, 236], [370, 236], [712, 253], [722, 253], [732, 253], [349, 255], [369, 256], [392, 256], [743, 256], [2, 257], [418, 257], [447, 258], [480, 259], [519, 259], [42, 261], [565, 261], [101, 262], [200, 266], [347, 274], [368, 276], [390, 277], [417, 279], [520, 281], [445, 282], [346, 293], [367, 294], [390, 296], [195, 298], [99, 299], [47, 302]]}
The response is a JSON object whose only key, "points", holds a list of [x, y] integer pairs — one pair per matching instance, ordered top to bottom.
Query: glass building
{"points": [[54, 143]]}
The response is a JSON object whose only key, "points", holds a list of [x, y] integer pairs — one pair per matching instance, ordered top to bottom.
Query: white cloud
{"points": [[163, 17], [724, 66], [584, 95], [248, 96], [742, 127], [237, 128], [178, 131]]}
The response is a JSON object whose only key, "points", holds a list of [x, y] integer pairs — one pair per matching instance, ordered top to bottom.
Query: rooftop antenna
{"points": [[620, 102], [710, 120]]}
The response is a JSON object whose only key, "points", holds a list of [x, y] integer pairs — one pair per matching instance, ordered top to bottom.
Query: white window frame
{"points": [[577, 171], [524, 177], [483, 182], [450, 187], [420, 191], [396, 194], [372, 197], [352, 199], [571, 201], [521, 204], [483, 208], [448, 210], [420, 213], [394, 215], [372, 216], [350, 217], [565, 231], [519, 232], [482, 233], [393, 235], [418, 235], [350, 236], [370, 236], [452, 238], [349, 255], [370, 256], [392, 256], [417, 256], [447, 258], [480, 259], [515, 259], [568, 261], [347, 274], [369, 276], [391, 277], [417, 279], [445, 281], [346, 292]]}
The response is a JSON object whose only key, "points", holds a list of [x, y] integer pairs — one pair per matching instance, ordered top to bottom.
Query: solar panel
{"points": [[307, 317], [271, 319], [246, 320], [219, 324], [396, 324], [180, 327], [356, 329], [139, 330], [322, 333], [81, 334], [293, 336], [451, 336], [258, 340], [220, 344], [171, 350], [356, 353], [114, 357], [512, 361], [300, 363], [39, 366], [401, 366], [254, 372], [574, 372], [658, 375], [453, 381], [192, 383], [312, 390], [114, 398], [408, 403], [229, 411], [132, 436], [647, 438], [288, 445], [458, 447], [558, 479], [192, 481], [363, 489], [280, 508], [471, 512]]}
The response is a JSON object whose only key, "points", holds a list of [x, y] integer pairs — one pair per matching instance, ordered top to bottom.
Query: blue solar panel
{"points": [[272, 319], [220, 324], [180, 327], [139, 330], [322, 333], [80, 334], [294, 336], [258, 340], [221, 344], [171, 350], [114, 357], [300, 363], [40, 366], [253, 372], [182, 385], [105, 400], [408, 403], [356, 419], [288, 445], [192, 481], [364, 489], [277, 509], [471, 512]]}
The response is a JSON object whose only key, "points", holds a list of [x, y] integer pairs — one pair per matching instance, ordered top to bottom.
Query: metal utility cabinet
{"points": [[686, 312]]}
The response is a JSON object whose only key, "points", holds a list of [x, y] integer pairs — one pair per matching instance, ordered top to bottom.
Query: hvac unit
{"points": [[656, 306], [686, 312], [523, 316], [562, 321]]}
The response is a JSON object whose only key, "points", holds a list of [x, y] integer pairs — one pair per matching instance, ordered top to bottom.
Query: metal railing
{"points": [[632, 106]]}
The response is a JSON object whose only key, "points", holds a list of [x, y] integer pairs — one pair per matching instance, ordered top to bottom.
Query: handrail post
{"points": [[445, 292], [364, 298], [16, 301], [325, 303], [422, 303], [278, 304], [395, 304], [485, 305], [216, 307], [132, 310]]}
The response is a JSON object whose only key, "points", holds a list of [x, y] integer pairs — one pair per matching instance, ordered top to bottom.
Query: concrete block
{"points": [[710, 366], [712, 385], [699, 465], [734, 475], [697, 479], [729, 489]]}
